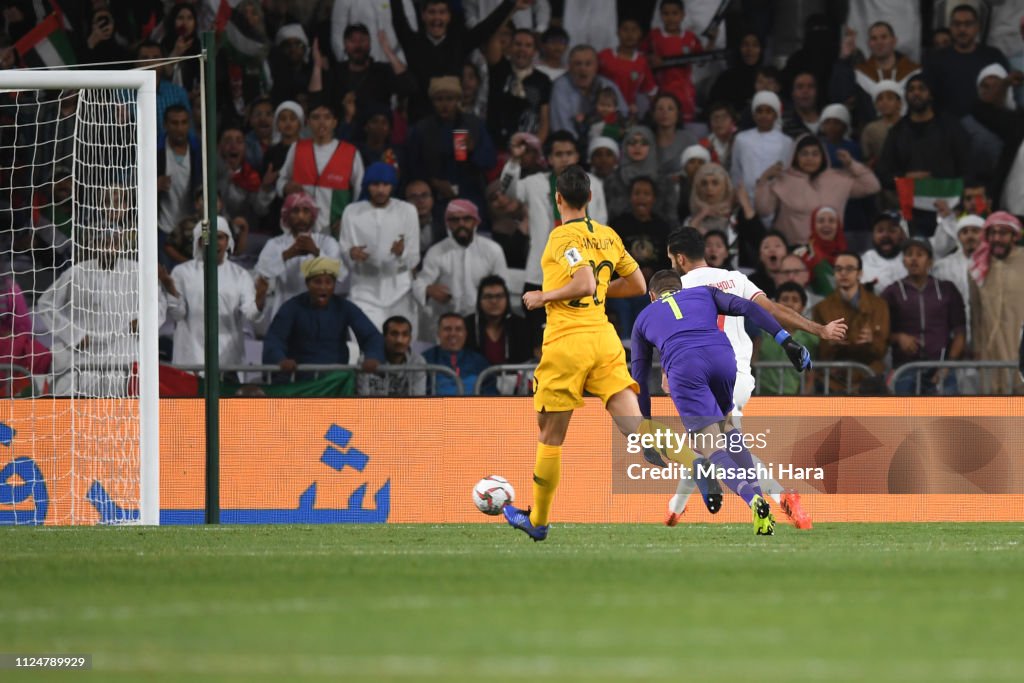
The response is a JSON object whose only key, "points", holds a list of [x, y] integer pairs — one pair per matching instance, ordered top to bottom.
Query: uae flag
{"points": [[47, 44], [922, 193]]}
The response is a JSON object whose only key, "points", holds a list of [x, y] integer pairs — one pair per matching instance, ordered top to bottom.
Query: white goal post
{"points": [[109, 139]]}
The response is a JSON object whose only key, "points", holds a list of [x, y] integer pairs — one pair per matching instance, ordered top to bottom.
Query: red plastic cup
{"points": [[459, 140]]}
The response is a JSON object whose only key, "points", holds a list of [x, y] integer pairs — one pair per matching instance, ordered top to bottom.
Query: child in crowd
{"points": [[671, 42], [627, 66], [606, 121]]}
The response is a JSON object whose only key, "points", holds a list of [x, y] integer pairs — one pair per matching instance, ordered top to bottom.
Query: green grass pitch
{"points": [[844, 602]]}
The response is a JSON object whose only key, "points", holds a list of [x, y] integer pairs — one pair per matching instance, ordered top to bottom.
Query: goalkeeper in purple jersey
{"points": [[701, 368]]}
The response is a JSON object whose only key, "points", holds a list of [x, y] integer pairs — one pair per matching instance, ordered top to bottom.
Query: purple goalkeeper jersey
{"points": [[687, 320]]}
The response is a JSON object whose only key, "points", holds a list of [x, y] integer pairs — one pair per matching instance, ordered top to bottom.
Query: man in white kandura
{"points": [[380, 243], [452, 268], [236, 293], [92, 311]]}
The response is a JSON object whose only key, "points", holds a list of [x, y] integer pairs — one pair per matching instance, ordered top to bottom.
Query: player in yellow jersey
{"points": [[582, 351]]}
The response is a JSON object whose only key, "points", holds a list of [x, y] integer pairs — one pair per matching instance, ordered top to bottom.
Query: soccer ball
{"points": [[492, 493]]}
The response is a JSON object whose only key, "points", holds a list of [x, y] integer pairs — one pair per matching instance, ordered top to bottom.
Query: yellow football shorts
{"points": [[589, 361]]}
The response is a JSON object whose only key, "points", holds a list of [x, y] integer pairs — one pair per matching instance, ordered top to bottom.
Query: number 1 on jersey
{"points": [[674, 306]]}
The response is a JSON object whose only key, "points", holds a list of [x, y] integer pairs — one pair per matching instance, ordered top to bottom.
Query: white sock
{"points": [[683, 490]]}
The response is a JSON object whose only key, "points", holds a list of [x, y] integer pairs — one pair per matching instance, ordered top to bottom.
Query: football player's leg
{"points": [[558, 390], [744, 458], [548, 466], [729, 472]]}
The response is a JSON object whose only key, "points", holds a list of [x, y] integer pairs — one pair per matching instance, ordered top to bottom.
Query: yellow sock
{"points": [[677, 450], [545, 480]]}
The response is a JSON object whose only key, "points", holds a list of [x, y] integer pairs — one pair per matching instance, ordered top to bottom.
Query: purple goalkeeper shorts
{"points": [[701, 385]]}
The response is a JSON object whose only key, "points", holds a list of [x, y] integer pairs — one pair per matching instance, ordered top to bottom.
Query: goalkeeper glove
{"points": [[799, 356]]}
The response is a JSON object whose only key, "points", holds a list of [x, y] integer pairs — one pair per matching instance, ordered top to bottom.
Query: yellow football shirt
{"points": [[571, 246]]}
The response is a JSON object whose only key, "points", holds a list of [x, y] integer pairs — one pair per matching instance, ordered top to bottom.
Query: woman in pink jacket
{"points": [[793, 193]]}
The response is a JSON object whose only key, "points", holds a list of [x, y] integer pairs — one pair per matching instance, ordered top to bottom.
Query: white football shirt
{"points": [[735, 283]]}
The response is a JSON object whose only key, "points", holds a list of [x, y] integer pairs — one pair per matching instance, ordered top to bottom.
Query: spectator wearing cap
{"points": [[442, 46], [290, 63], [952, 72], [356, 81], [519, 96], [888, 100], [996, 106], [997, 123], [288, 128], [835, 131], [923, 144], [449, 149], [756, 150], [603, 154], [327, 169], [810, 181], [973, 200], [380, 244], [883, 264], [954, 267], [453, 268], [278, 270], [236, 295], [997, 306], [927, 322], [313, 327]]}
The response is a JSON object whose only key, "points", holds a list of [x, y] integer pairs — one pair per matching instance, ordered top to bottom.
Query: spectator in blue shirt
{"points": [[313, 327], [451, 352]]}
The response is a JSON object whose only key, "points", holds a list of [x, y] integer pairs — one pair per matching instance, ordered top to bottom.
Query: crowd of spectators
{"points": [[385, 171]]}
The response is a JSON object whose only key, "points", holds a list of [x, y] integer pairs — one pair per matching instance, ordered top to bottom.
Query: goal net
{"points": [[78, 298]]}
